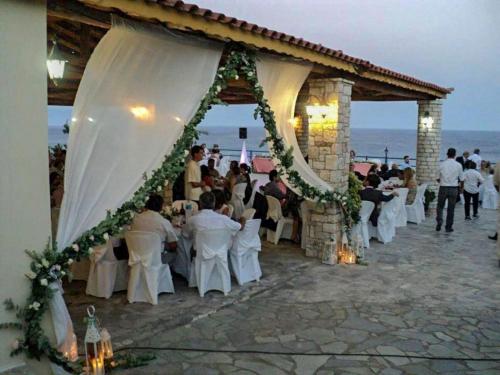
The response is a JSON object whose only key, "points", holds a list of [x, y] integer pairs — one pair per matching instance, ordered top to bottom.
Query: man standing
{"points": [[476, 158], [462, 159], [406, 163], [450, 174], [192, 178], [496, 182]]}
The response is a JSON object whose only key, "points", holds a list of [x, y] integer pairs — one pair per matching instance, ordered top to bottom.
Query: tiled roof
{"points": [[276, 35]]}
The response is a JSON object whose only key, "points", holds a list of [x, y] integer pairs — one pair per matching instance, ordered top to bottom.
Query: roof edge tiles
{"points": [[263, 32]]}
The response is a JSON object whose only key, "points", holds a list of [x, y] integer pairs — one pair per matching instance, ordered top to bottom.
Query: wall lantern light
{"points": [[55, 63], [322, 111], [141, 112], [427, 120]]}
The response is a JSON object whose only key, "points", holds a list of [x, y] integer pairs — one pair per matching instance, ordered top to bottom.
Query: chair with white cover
{"points": [[490, 195], [252, 197], [237, 200], [181, 204], [416, 212], [249, 213], [401, 216], [386, 223], [284, 224], [362, 226], [244, 254], [211, 271], [106, 274], [148, 275]]}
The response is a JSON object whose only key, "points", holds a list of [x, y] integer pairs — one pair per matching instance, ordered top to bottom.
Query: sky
{"points": [[452, 43]]}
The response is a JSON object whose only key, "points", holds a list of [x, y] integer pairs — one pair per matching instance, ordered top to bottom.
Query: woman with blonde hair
{"points": [[410, 183]]}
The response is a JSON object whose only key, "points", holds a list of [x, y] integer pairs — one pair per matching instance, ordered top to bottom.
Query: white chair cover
{"points": [[490, 195], [252, 197], [237, 200], [180, 204], [416, 211], [249, 213], [401, 216], [284, 224], [386, 224], [362, 227], [244, 253], [182, 263], [211, 271], [107, 274], [148, 275]]}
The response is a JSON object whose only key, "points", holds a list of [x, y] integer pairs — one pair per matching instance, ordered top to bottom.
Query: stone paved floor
{"points": [[426, 294]]}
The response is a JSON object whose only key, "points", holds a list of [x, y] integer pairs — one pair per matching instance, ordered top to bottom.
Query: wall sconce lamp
{"points": [[55, 63], [322, 111], [427, 120]]}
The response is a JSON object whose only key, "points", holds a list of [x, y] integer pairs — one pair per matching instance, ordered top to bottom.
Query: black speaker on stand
{"points": [[243, 133]]}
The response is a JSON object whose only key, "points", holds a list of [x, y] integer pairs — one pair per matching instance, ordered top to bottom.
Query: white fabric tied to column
{"points": [[281, 81], [140, 86]]}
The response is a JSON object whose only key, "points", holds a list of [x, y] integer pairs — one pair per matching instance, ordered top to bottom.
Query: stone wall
{"points": [[429, 144], [328, 150]]}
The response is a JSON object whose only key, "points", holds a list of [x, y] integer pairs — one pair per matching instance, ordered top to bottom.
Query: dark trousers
{"points": [[446, 193], [475, 203]]}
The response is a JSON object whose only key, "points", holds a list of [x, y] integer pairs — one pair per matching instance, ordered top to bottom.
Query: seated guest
{"points": [[406, 163], [232, 166], [371, 171], [384, 172], [394, 172], [207, 179], [410, 183], [272, 188], [376, 196], [221, 206], [207, 218], [150, 220]]}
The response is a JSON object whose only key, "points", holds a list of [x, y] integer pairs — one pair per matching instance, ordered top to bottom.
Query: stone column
{"points": [[301, 125], [429, 143], [328, 152]]}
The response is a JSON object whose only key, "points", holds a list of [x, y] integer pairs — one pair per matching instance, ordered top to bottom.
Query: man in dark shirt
{"points": [[462, 159], [272, 187], [376, 196]]}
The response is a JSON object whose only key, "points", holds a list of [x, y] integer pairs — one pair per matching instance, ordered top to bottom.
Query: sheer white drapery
{"points": [[281, 81], [140, 86]]}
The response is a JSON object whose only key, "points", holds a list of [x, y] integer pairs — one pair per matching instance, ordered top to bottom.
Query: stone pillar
{"points": [[301, 125], [429, 143], [328, 151]]}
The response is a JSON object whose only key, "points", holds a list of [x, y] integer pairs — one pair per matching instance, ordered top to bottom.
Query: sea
{"points": [[366, 142]]}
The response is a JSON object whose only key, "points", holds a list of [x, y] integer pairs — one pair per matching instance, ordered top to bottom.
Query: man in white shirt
{"points": [[476, 158], [406, 163], [450, 174], [192, 177], [472, 180], [207, 218], [151, 221]]}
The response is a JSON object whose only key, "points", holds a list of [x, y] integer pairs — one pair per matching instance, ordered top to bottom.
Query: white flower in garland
{"points": [[250, 74], [236, 77], [218, 89], [186, 152], [159, 188], [105, 236], [91, 237], [75, 247], [91, 250], [70, 261], [45, 263], [38, 265], [57, 267], [63, 273], [31, 275], [44, 282], [35, 306], [15, 345]]}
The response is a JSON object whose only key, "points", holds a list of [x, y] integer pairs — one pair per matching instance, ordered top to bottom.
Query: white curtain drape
{"points": [[281, 80], [140, 86]]}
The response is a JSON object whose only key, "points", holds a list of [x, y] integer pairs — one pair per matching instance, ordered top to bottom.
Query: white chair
{"points": [[490, 195], [252, 197], [236, 201], [181, 204], [415, 211], [249, 213], [305, 215], [401, 216], [386, 223], [284, 224], [362, 226], [244, 253], [210, 270], [106, 274], [148, 275]]}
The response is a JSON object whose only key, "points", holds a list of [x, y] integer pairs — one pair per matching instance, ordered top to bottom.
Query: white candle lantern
{"points": [[359, 246], [330, 255], [107, 347], [94, 354]]}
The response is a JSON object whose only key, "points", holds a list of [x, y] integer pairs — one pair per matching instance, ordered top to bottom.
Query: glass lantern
{"points": [[330, 255], [107, 347], [94, 354]]}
